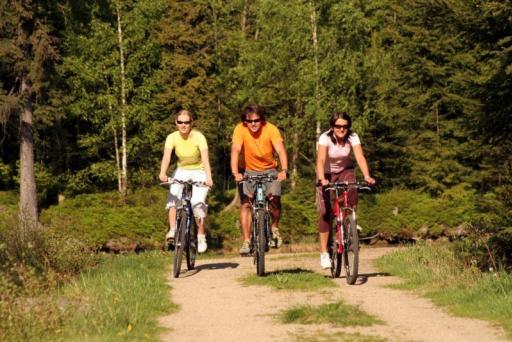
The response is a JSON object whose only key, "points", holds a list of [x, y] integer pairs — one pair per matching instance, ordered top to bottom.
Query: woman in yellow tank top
{"points": [[191, 148]]}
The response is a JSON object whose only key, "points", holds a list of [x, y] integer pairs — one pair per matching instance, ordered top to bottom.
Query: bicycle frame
{"points": [[186, 193], [340, 213], [260, 230], [184, 242]]}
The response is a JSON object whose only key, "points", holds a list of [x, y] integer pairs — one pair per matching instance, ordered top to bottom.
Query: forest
{"points": [[89, 91]]}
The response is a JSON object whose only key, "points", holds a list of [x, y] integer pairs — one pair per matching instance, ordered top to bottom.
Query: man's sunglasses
{"points": [[252, 121], [182, 122], [341, 126]]}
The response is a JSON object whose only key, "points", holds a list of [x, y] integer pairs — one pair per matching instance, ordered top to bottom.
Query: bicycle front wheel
{"points": [[179, 242], [261, 242], [191, 246], [333, 249], [351, 249]]}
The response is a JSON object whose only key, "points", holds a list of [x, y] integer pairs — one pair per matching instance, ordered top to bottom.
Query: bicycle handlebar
{"points": [[258, 178], [178, 181], [347, 185]]}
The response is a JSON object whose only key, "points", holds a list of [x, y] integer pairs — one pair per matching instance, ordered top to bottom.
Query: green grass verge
{"points": [[435, 272], [291, 279], [119, 300], [339, 314]]}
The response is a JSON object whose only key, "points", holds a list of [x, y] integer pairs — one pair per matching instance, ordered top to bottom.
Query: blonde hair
{"points": [[184, 112]]}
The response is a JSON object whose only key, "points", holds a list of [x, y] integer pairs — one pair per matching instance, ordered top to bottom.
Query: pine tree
{"points": [[28, 50]]}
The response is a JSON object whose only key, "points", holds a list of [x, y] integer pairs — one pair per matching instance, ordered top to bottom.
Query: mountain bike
{"points": [[261, 231], [344, 236], [185, 238]]}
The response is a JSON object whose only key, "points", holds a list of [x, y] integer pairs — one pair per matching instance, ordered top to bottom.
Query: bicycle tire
{"points": [[261, 242], [179, 243], [191, 246], [351, 250], [334, 255]]}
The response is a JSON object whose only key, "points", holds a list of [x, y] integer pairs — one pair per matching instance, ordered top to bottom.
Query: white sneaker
{"points": [[359, 228], [170, 234], [201, 243], [325, 261]]}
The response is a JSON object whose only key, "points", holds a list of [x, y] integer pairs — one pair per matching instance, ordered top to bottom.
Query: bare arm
{"points": [[235, 155], [166, 159], [283, 159], [320, 162], [363, 165], [207, 168]]}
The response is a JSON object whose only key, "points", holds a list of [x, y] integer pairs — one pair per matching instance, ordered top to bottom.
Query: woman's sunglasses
{"points": [[182, 122], [341, 126]]}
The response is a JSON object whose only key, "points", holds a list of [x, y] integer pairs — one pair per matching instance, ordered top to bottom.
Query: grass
{"points": [[435, 272], [290, 279], [119, 300], [338, 314], [338, 337]]}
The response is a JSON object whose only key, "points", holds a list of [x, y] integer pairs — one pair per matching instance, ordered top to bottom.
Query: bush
{"points": [[405, 212], [96, 218]]}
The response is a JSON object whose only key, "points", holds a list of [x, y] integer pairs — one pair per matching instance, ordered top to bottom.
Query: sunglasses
{"points": [[253, 121], [182, 122], [341, 126]]}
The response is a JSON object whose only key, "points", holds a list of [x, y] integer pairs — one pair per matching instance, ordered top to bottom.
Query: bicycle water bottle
{"points": [[259, 194]]}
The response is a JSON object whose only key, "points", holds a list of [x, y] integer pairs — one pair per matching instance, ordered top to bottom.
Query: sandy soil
{"points": [[215, 306]]}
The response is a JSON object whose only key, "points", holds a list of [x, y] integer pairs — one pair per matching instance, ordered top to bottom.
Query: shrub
{"points": [[398, 210], [96, 218]]}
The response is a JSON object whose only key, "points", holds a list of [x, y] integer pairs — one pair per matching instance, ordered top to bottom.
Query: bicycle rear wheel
{"points": [[261, 242], [179, 244], [191, 246], [333, 252], [351, 252]]}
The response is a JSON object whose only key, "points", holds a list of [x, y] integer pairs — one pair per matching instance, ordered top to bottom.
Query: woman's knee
{"points": [[200, 209]]}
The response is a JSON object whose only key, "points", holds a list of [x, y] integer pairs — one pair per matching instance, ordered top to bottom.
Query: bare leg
{"points": [[172, 217], [245, 221], [200, 225], [324, 238]]}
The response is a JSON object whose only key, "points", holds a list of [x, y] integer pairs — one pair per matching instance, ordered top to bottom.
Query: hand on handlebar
{"points": [[281, 176], [238, 177], [163, 178], [369, 180], [323, 182]]}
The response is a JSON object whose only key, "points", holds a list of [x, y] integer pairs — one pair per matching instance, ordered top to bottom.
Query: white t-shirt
{"points": [[338, 156]]}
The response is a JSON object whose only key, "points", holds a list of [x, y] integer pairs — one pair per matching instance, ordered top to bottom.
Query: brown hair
{"points": [[253, 109], [335, 117]]}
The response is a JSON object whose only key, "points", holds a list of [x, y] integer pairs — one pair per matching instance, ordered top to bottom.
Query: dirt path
{"points": [[214, 306]]}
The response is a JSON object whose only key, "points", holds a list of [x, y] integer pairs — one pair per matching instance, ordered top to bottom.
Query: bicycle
{"points": [[344, 227], [261, 231], [185, 238]]}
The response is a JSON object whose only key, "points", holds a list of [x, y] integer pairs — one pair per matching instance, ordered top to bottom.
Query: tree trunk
{"points": [[243, 18], [315, 51], [116, 147], [295, 158], [124, 166], [28, 197], [235, 202]]}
